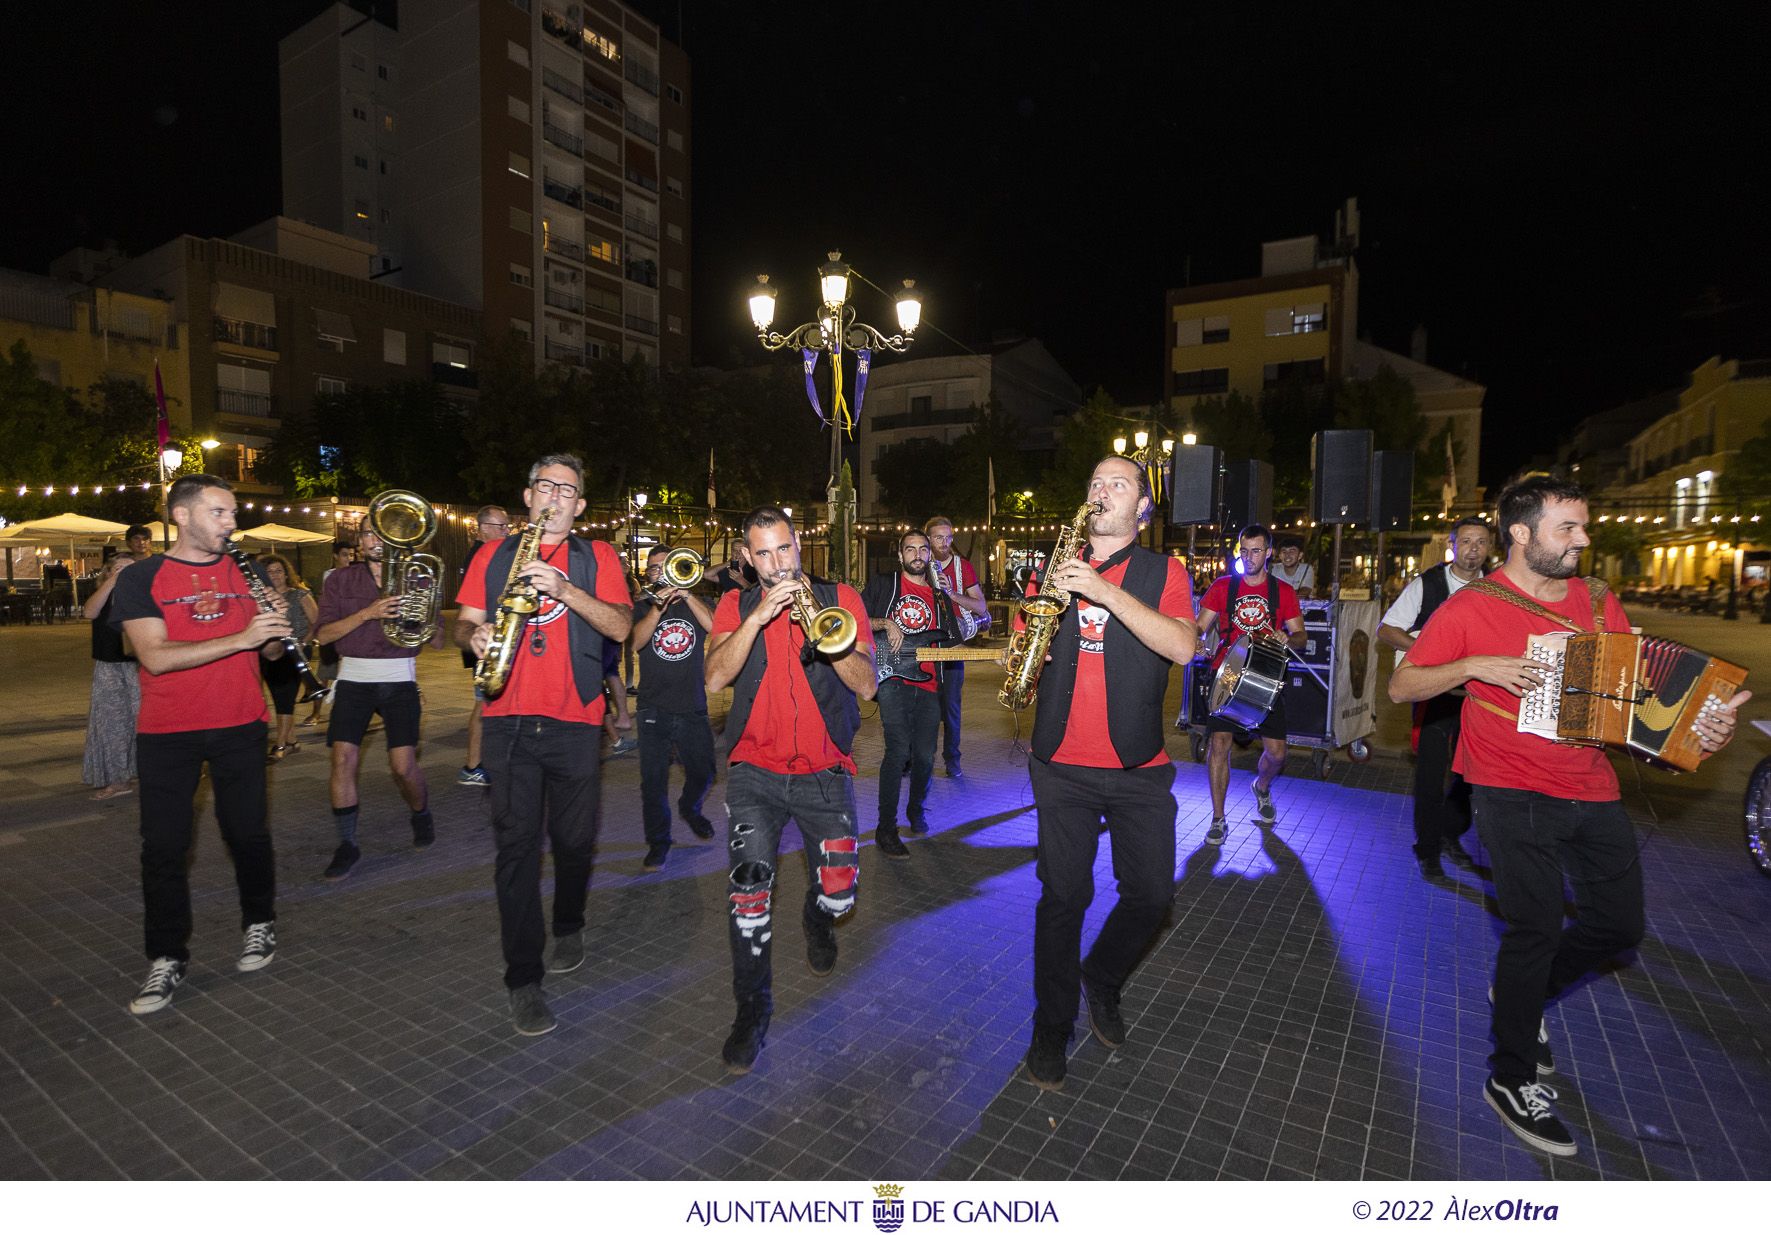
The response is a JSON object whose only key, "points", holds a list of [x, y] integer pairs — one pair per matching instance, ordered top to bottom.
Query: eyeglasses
{"points": [[551, 488], [490, 524]]}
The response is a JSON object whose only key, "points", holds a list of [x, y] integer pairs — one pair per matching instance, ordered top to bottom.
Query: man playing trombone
{"points": [[669, 625], [797, 652]]}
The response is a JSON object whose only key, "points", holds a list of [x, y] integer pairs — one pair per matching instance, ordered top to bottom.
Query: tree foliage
{"points": [[1235, 425], [1083, 441], [1747, 478]]}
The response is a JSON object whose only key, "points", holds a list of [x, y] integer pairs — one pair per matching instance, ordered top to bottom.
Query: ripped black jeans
{"points": [[758, 804]]}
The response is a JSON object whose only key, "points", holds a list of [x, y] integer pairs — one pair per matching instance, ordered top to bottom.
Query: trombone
{"points": [[683, 569]]}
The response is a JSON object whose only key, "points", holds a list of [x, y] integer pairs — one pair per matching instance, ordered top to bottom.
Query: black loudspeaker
{"points": [[1340, 476], [1195, 484], [1392, 490], [1248, 494]]}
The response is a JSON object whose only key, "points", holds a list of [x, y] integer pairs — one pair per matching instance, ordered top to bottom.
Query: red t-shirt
{"points": [[959, 574], [198, 601], [1251, 610], [914, 612], [541, 683], [785, 732], [1086, 740], [1491, 750]]}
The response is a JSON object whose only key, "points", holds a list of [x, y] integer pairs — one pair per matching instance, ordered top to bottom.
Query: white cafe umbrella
{"points": [[67, 529], [281, 534]]}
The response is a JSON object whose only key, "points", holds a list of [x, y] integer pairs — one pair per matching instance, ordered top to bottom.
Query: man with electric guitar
{"points": [[918, 623]]}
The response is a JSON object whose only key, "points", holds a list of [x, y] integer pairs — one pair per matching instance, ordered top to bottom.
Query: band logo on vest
{"points": [[673, 639]]}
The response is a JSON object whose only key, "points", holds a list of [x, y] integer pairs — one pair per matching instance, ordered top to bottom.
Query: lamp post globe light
{"points": [[834, 331]]}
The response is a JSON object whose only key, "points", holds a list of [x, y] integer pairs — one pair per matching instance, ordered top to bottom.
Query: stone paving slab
{"points": [[1312, 1010]]}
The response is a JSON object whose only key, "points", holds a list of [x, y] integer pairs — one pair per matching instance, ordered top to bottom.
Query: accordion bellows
{"points": [[1634, 692]]}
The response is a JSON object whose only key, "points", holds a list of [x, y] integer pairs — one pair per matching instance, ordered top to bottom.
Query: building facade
{"points": [[527, 159], [285, 312], [939, 398]]}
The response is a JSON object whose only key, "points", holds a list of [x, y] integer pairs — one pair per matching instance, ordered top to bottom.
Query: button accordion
{"points": [[1634, 692]]}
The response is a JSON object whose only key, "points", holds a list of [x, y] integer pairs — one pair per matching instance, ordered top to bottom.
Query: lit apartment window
{"points": [[601, 44], [517, 52], [518, 109], [387, 122], [519, 164], [362, 210], [521, 221], [603, 251], [522, 276], [1308, 318], [523, 328], [393, 346], [1202, 382], [332, 385]]}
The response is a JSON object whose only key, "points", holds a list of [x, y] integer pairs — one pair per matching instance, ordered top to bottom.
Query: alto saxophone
{"points": [[518, 602], [1043, 612]]}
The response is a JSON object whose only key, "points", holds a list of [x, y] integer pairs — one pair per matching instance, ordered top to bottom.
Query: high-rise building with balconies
{"points": [[528, 158]]}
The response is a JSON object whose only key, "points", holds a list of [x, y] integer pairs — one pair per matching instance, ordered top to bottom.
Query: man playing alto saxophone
{"points": [[792, 725], [542, 734], [1098, 755]]}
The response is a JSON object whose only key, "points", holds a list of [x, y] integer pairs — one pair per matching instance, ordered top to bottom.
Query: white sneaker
{"points": [[260, 947], [163, 978]]}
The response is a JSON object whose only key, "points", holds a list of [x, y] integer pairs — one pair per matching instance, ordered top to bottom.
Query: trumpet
{"points": [[405, 523], [683, 569], [830, 631]]}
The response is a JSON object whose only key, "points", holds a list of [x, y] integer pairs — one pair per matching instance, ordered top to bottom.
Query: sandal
{"points": [[277, 752], [111, 791]]}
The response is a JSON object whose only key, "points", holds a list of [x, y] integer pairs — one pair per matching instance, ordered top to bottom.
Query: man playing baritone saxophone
{"points": [[376, 677], [792, 725], [542, 735], [1098, 755], [1545, 811]]}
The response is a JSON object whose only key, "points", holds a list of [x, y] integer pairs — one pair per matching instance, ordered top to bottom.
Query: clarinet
{"points": [[316, 690]]}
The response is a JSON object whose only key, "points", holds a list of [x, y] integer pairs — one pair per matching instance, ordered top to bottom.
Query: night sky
{"points": [[1573, 210]]}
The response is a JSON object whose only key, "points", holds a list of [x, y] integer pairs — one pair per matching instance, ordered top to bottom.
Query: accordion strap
{"points": [[1596, 587]]}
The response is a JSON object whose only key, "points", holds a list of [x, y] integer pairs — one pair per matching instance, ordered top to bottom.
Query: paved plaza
{"points": [[1313, 1009]]}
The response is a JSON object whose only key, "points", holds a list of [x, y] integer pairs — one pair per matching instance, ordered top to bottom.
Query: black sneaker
{"points": [[1263, 800], [700, 825], [919, 826], [424, 830], [1217, 832], [889, 843], [655, 856], [1460, 857], [343, 858], [1431, 871], [259, 947], [820, 947], [568, 953], [164, 975], [529, 1011], [1103, 1015], [745, 1042], [1045, 1058], [1546, 1062], [1526, 1110]]}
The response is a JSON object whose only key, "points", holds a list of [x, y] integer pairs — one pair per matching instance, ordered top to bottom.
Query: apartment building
{"points": [[526, 158]]}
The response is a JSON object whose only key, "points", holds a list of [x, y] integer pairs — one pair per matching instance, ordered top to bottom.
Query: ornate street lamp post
{"points": [[1153, 458]]}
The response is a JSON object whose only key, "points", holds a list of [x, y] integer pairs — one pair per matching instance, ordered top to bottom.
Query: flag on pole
{"points": [[162, 426], [990, 492], [711, 499]]}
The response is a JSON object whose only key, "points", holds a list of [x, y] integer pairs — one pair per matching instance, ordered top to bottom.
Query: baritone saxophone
{"points": [[1042, 612]]}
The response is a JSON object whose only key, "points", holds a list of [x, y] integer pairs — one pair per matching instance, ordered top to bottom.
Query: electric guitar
{"points": [[929, 645]]}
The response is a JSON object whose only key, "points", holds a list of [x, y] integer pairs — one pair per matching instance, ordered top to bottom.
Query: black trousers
{"points": [[952, 688], [910, 716], [693, 738], [170, 765], [547, 777], [1441, 798], [760, 803], [1138, 806], [1533, 841]]}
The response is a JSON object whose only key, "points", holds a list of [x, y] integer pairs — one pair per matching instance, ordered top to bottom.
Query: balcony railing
{"points": [[561, 29], [642, 77], [562, 85], [602, 98], [639, 126], [562, 139], [640, 178], [570, 194], [594, 196], [645, 227], [564, 247], [643, 272], [561, 299], [644, 325], [245, 334], [562, 352], [451, 375], [245, 403]]}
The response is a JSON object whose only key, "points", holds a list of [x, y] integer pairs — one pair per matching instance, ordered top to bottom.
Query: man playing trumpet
{"points": [[792, 723]]}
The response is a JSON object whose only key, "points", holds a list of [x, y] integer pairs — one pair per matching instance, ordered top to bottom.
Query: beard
{"points": [[1550, 564], [918, 567]]}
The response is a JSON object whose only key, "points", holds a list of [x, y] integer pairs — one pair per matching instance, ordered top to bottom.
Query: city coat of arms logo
{"points": [[888, 1207]]}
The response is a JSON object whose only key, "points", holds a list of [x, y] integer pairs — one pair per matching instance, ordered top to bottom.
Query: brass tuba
{"points": [[405, 523], [683, 568]]}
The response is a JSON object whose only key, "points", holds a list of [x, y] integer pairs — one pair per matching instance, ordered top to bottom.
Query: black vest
{"points": [[1435, 590], [584, 640], [1137, 678], [836, 702]]}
